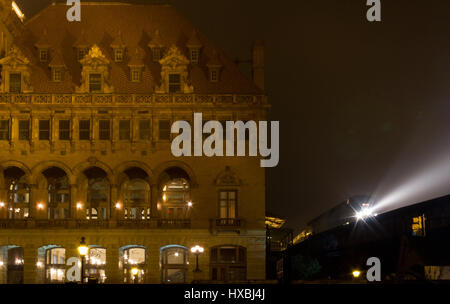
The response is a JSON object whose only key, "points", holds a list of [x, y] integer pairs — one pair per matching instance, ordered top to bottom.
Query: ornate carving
{"points": [[16, 62], [174, 62], [95, 63], [228, 178]]}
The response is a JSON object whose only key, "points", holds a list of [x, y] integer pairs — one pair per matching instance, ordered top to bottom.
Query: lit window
{"points": [[95, 83], [174, 83], [44, 129], [227, 204], [418, 225], [133, 257], [96, 263], [174, 264], [55, 265]]}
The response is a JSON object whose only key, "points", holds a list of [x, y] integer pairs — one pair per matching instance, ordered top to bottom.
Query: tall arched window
{"points": [[58, 193], [98, 193], [175, 194], [18, 199], [137, 200], [133, 257], [12, 260], [228, 263], [174, 264]]}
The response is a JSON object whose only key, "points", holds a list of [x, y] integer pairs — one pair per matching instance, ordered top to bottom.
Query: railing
{"points": [[130, 99], [95, 224], [226, 224]]}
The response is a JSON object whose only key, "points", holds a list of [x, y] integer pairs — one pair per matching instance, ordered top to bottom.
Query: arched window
{"points": [[18, 193], [58, 193], [175, 194], [137, 200], [97, 207], [11, 257], [133, 259], [95, 263], [228, 263], [55, 264], [174, 264]]}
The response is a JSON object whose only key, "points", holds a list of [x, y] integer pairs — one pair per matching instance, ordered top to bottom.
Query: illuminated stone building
{"points": [[85, 115]]}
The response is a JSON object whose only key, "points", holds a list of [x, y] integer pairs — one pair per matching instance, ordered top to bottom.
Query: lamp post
{"points": [[83, 249], [197, 250]]}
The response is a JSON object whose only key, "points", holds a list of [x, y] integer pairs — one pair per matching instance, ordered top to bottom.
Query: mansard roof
{"points": [[139, 25]]}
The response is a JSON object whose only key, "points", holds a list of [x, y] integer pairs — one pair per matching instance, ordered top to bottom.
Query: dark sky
{"points": [[362, 106]]}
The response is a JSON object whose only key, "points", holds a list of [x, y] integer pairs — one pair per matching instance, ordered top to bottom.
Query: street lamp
{"points": [[83, 250], [197, 250], [134, 272], [356, 273]]}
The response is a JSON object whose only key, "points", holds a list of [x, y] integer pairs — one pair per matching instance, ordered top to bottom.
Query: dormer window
{"points": [[194, 45], [118, 54], [156, 54], [43, 55], [195, 55], [57, 74], [136, 75], [214, 75], [95, 83], [174, 83]]}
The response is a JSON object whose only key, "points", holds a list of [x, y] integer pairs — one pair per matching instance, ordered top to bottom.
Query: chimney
{"points": [[258, 64]]}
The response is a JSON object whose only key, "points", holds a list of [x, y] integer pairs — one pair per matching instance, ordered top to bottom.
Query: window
{"points": [[81, 53], [156, 54], [43, 55], [118, 55], [195, 55], [57, 75], [136, 75], [214, 75], [15, 83], [95, 83], [174, 83], [4, 129], [24, 129], [44, 129], [64, 129], [85, 129], [104, 129], [144, 129], [124, 130], [164, 130], [58, 193], [18, 195], [175, 198], [137, 200], [227, 204], [418, 225], [133, 257], [228, 263], [95, 264], [174, 264], [55, 265]]}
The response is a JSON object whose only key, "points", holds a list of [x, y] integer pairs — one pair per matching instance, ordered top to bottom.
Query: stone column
{"points": [[154, 212], [29, 267], [153, 269], [113, 275]]}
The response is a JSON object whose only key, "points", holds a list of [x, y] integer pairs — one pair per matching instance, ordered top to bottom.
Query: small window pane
{"points": [[15, 83], [95, 83], [174, 83]]}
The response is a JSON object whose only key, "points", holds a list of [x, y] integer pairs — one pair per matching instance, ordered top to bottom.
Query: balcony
{"points": [[118, 99], [95, 224], [226, 225]]}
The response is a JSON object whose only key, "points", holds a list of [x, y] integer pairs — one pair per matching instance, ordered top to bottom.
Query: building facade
{"points": [[86, 110]]}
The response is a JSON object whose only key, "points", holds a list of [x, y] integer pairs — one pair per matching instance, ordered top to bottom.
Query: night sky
{"points": [[362, 106]]}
